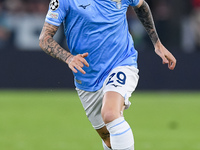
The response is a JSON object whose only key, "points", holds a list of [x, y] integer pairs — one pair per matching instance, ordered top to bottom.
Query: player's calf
{"points": [[105, 136]]}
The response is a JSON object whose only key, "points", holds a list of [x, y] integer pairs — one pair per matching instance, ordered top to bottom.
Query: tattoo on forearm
{"points": [[145, 16], [50, 46]]}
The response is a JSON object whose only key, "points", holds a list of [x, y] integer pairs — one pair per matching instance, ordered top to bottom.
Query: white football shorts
{"points": [[122, 79]]}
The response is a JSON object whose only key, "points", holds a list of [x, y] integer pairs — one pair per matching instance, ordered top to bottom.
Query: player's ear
{"points": [[139, 4]]}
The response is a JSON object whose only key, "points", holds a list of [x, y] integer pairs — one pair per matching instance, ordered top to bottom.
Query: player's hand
{"points": [[166, 56], [77, 62]]}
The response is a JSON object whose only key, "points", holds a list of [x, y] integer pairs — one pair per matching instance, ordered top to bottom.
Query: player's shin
{"points": [[121, 136]]}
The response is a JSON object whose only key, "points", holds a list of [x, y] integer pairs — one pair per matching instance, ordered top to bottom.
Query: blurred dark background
{"points": [[24, 65]]}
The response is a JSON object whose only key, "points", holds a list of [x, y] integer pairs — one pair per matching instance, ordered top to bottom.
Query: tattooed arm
{"points": [[144, 14], [51, 47]]}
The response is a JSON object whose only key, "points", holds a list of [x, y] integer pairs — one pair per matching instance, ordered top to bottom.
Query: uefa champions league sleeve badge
{"points": [[54, 4], [118, 4]]}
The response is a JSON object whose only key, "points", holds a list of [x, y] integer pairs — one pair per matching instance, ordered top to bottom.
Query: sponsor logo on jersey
{"points": [[54, 4], [84, 6], [53, 15]]}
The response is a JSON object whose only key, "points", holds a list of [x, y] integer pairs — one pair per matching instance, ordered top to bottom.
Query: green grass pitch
{"points": [[55, 120]]}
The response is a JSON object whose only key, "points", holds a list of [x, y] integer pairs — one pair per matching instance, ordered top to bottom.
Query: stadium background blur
{"points": [[39, 108]]}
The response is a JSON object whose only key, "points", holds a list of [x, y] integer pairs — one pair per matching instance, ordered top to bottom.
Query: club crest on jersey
{"points": [[54, 4], [118, 4]]}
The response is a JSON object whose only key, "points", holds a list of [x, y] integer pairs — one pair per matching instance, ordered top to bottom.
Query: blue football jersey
{"points": [[100, 28]]}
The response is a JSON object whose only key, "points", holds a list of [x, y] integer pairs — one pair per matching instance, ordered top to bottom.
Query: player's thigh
{"points": [[112, 107]]}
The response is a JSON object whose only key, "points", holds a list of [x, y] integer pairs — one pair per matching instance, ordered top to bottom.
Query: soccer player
{"points": [[102, 58]]}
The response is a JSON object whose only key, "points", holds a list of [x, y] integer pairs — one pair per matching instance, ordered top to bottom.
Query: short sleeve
{"points": [[134, 2], [57, 12]]}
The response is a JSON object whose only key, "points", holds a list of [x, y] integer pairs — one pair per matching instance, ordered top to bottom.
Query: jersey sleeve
{"points": [[134, 2], [57, 12]]}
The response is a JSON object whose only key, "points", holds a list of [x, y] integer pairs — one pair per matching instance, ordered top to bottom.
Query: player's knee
{"points": [[108, 116]]}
